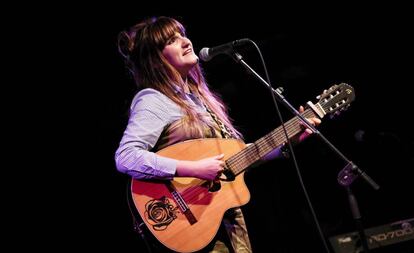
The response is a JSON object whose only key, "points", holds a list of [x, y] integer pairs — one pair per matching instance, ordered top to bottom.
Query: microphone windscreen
{"points": [[203, 55]]}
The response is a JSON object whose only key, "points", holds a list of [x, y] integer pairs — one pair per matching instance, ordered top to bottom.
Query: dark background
{"points": [[78, 196]]}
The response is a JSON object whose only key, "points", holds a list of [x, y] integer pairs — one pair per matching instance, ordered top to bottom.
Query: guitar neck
{"points": [[254, 152]]}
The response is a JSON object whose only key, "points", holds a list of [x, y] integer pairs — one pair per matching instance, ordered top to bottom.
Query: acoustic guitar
{"points": [[184, 214]]}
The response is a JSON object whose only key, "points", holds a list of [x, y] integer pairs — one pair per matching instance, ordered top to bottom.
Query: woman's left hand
{"points": [[305, 134]]}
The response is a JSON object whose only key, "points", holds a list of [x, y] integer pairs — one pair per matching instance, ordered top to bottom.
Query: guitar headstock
{"points": [[335, 100]]}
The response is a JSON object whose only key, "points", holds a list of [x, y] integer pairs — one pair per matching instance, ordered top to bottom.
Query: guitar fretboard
{"points": [[252, 153]]}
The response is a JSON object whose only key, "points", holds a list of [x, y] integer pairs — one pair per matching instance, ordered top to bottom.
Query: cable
{"points": [[291, 150]]}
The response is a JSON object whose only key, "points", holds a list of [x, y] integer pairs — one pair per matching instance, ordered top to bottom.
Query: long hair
{"points": [[141, 47]]}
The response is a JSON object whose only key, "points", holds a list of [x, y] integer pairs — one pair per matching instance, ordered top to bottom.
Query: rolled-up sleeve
{"points": [[150, 114]]}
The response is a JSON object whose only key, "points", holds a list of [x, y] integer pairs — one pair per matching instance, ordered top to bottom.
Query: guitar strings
{"points": [[268, 143], [238, 161]]}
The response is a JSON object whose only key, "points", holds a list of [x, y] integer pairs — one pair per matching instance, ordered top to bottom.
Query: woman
{"points": [[174, 104]]}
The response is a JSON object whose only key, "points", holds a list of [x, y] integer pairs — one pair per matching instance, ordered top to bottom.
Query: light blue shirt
{"points": [[150, 112]]}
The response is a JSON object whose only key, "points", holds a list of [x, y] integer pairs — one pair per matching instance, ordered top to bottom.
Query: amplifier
{"points": [[377, 237]]}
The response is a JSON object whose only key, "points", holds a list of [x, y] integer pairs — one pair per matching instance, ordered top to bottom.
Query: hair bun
{"points": [[125, 44]]}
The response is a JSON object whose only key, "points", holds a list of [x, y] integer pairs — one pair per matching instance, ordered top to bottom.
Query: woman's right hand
{"points": [[209, 168]]}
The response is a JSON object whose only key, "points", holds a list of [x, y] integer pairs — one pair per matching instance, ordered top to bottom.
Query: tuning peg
{"points": [[333, 87], [320, 96], [345, 107]]}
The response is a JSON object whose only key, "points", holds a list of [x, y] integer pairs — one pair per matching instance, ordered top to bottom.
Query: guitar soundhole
{"points": [[214, 186], [160, 213]]}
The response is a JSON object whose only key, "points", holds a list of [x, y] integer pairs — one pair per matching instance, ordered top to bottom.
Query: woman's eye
{"points": [[172, 40]]}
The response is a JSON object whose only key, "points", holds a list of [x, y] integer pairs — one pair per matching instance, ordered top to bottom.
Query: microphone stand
{"points": [[346, 176]]}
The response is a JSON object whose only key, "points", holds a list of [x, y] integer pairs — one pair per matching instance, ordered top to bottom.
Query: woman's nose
{"points": [[185, 42]]}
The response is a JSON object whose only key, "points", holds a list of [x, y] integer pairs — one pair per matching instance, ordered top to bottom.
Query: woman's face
{"points": [[179, 53]]}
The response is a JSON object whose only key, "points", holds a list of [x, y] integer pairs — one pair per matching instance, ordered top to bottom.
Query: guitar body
{"points": [[159, 206]]}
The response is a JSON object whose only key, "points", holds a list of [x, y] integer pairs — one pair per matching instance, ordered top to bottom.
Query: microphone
{"points": [[207, 54]]}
